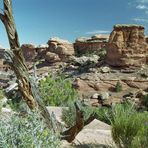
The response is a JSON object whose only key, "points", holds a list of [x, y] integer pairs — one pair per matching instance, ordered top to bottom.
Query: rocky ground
{"points": [[91, 82]]}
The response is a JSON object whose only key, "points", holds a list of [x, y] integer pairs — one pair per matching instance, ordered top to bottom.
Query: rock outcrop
{"points": [[88, 45], [127, 46], [62, 48], [29, 52], [51, 57], [2, 65]]}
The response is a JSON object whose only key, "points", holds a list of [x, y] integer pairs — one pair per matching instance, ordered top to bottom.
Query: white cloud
{"points": [[142, 1], [141, 7], [140, 20], [98, 32]]}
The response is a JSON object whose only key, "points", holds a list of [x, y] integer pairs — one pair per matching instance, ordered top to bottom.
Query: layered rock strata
{"points": [[89, 45], [127, 46], [62, 48]]}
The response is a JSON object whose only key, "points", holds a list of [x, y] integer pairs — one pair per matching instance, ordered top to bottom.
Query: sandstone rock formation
{"points": [[87, 45], [127, 46], [62, 48], [41, 51], [29, 52], [51, 57]]}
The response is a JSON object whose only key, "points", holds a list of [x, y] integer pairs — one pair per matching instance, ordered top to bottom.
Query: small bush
{"points": [[102, 53], [118, 87], [57, 90], [1, 94], [1, 97], [145, 101], [127, 125], [26, 132], [141, 140]]}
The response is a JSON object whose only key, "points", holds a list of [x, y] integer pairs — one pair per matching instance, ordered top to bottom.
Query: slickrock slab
{"points": [[96, 133]]}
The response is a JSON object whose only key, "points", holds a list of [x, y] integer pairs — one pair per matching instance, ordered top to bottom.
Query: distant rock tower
{"points": [[127, 46]]}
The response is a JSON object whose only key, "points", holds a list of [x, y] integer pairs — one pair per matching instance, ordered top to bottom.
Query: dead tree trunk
{"points": [[15, 59]]}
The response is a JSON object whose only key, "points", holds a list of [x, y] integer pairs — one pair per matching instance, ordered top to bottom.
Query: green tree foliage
{"points": [[57, 90]]}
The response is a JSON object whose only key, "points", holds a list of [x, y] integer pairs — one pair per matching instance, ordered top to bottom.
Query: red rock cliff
{"points": [[127, 46]]}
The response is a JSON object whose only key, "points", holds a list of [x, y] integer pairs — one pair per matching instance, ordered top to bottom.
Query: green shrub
{"points": [[102, 53], [118, 87], [57, 90], [1, 94], [1, 97], [145, 100], [18, 105], [69, 114], [127, 124], [26, 132], [141, 139]]}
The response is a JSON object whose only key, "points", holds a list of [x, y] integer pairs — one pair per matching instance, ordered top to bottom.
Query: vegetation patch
{"points": [[118, 87], [57, 90], [129, 127], [26, 132]]}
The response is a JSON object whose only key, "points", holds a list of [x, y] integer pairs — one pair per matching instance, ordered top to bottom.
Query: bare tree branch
{"points": [[72, 132]]}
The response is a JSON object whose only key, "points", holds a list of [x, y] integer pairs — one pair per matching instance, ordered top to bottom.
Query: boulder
{"points": [[85, 45], [127, 46], [63, 48], [29, 52], [51, 57], [84, 60], [105, 69], [95, 96], [103, 96]]}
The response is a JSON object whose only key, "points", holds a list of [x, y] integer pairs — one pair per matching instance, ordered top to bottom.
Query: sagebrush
{"points": [[26, 132]]}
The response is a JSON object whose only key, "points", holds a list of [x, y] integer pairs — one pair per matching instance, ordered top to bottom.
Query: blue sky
{"points": [[39, 20]]}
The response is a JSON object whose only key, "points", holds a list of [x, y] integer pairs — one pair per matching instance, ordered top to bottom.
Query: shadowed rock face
{"points": [[89, 45], [127, 46], [29, 52], [1, 53]]}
